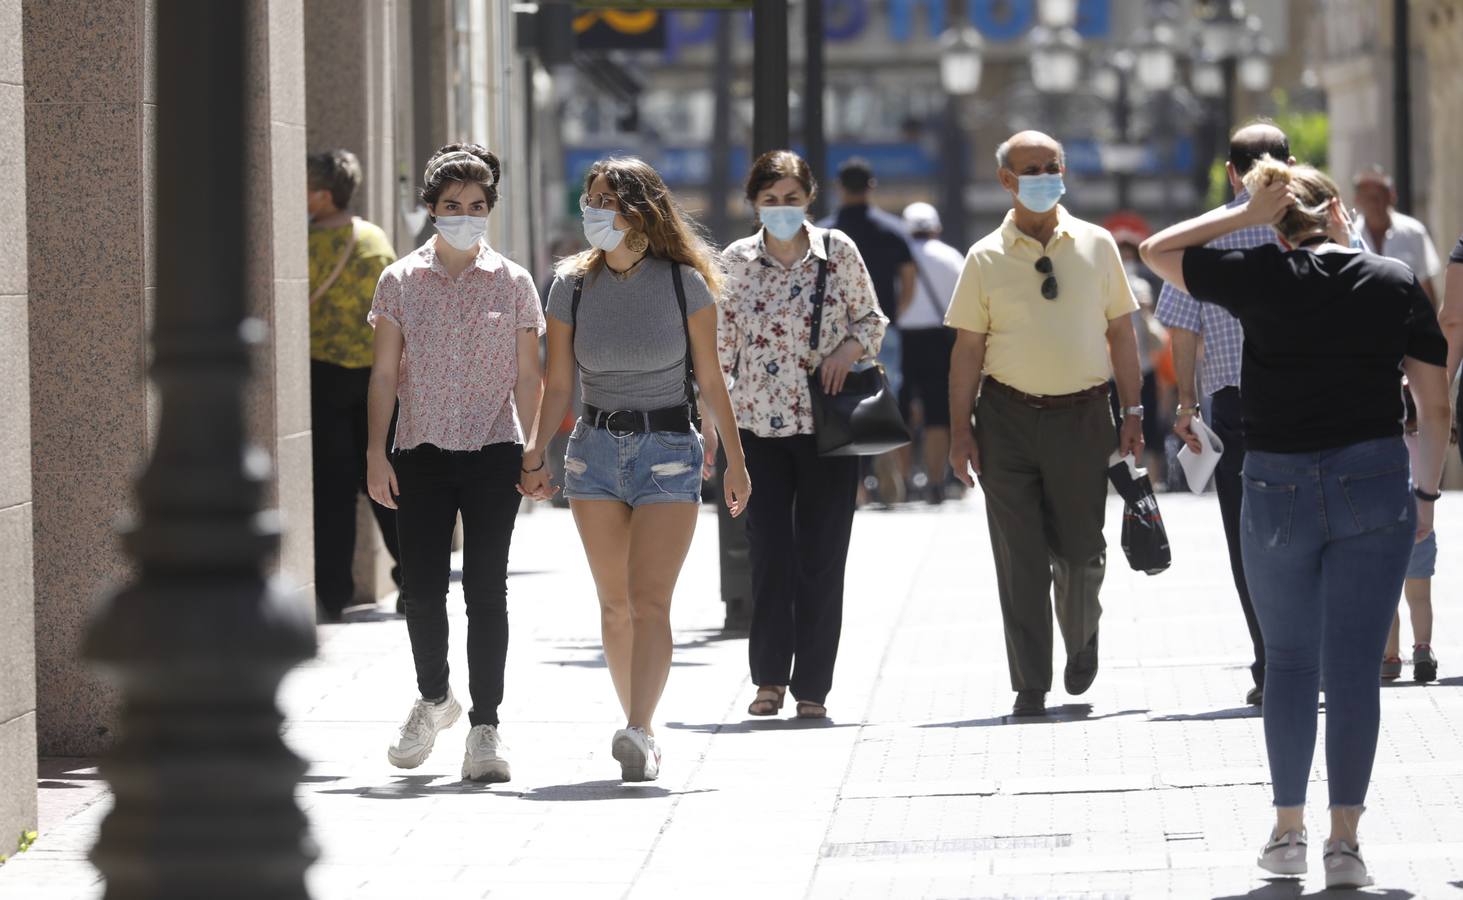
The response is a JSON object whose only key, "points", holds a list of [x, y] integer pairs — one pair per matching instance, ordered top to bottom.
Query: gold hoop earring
{"points": [[637, 242]]}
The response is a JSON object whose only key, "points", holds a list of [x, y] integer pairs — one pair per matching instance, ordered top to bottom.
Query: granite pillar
{"points": [[90, 121], [17, 600]]}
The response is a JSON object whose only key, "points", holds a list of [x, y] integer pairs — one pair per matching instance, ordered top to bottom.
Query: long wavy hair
{"points": [[648, 205]]}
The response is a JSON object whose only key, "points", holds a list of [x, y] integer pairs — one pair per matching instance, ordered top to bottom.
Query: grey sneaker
{"points": [[1424, 664], [419, 733], [637, 754], [483, 760], [1285, 854], [1344, 866]]}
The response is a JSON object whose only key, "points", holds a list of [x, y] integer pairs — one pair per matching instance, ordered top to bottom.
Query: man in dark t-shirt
{"points": [[884, 245]]}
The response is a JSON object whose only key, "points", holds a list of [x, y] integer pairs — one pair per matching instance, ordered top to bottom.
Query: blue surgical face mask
{"points": [[1039, 193], [782, 222], [599, 229]]}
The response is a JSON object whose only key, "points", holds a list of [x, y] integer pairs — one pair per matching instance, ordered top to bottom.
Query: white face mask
{"points": [[599, 229], [462, 232]]}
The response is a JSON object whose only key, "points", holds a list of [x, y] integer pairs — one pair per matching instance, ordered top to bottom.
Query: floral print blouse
{"points": [[766, 325], [459, 359]]}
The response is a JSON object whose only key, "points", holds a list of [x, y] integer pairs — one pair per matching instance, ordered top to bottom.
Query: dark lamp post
{"points": [[203, 784]]}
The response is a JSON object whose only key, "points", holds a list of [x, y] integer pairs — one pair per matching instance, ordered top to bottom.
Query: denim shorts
{"points": [[636, 469], [1424, 562]]}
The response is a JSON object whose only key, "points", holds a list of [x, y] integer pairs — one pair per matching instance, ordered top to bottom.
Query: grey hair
{"points": [[1003, 154]]}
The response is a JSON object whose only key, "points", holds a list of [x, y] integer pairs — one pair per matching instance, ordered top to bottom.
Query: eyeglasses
{"points": [[598, 201], [1049, 284]]}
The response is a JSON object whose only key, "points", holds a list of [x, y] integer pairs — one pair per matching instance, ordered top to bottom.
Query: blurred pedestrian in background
{"points": [[1393, 234], [884, 247], [347, 256], [1044, 314], [636, 315], [1451, 318], [1189, 323], [457, 328], [927, 345], [1330, 514], [800, 526]]}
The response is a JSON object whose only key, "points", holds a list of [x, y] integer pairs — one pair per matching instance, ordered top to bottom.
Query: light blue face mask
{"points": [[1039, 193], [782, 222]]}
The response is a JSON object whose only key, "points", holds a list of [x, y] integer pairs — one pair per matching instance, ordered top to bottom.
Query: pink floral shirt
{"points": [[766, 325], [459, 361]]}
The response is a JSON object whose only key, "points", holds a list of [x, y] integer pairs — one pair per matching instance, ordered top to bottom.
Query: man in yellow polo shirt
{"points": [[347, 255], [1043, 318]]}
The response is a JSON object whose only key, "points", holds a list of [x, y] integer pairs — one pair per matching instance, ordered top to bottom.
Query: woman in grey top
{"points": [[636, 314]]}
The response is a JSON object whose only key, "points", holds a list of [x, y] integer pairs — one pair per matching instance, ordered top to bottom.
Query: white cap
{"points": [[921, 217]]}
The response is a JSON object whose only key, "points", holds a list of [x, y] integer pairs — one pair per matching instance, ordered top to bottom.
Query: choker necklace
{"points": [[622, 275]]}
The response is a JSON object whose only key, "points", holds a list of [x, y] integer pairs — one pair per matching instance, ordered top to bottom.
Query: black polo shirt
{"points": [[883, 246]]}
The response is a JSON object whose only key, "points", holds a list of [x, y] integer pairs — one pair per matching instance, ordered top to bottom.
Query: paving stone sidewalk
{"points": [[1153, 784]]}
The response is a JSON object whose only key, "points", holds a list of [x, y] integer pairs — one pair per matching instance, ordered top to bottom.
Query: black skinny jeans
{"points": [[338, 464], [1229, 483], [435, 485], [798, 530]]}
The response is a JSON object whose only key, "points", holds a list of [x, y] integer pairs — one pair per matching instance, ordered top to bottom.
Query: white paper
{"points": [[1199, 467]]}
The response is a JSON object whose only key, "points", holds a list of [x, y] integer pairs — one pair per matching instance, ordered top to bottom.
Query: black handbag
{"points": [[862, 419]]}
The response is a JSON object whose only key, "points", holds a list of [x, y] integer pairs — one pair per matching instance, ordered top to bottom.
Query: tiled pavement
{"points": [[1151, 785]]}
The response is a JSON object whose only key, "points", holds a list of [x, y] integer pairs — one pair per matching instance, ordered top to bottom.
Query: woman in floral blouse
{"points": [[799, 528]]}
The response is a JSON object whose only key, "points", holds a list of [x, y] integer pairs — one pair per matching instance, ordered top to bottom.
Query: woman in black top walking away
{"points": [[1330, 513]]}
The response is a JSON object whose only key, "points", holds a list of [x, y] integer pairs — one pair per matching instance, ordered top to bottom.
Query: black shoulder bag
{"points": [[693, 409], [862, 419]]}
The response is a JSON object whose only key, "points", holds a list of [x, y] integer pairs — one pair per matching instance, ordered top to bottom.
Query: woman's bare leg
{"points": [[604, 527], [660, 536], [1419, 594]]}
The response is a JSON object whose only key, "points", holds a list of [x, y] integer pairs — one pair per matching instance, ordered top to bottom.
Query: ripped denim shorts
{"points": [[650, 467]]}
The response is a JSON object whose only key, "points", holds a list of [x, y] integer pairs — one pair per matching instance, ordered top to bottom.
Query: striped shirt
{"points": [[1223, 337]]}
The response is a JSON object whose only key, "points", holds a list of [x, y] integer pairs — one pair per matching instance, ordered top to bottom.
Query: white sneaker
{"points": [[414, 743], [637, 754], [482, 762], [1285, 855], [1344, 867]]}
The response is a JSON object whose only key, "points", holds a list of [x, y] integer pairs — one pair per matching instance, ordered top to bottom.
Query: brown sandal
{"points": [[768, 701], [807, 709]]}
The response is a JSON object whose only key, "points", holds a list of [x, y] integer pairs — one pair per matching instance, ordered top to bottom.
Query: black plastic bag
{"points": [[1145, 540]]}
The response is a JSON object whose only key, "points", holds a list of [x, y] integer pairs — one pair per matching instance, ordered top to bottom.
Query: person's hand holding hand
{"points": [[533, 479]]}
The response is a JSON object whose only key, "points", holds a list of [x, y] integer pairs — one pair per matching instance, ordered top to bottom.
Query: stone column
{"points": [[90, 121], [17, 601]]}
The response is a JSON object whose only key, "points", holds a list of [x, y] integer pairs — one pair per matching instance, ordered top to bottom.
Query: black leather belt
{"points": [[1049, 401], [622, 422]]}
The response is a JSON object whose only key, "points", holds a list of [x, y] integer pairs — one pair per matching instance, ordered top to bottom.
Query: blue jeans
{"points": [[635, 469], [1326, 538]]}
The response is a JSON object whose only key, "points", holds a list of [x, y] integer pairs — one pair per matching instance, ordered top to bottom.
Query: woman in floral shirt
{"points": [[799, 528]]}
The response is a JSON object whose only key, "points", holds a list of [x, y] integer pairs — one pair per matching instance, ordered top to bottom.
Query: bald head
{"points": [[1254, 141], [1024, 148]]}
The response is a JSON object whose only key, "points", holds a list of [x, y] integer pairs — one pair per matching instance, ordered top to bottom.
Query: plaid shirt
{"points": [[1223, 337]]}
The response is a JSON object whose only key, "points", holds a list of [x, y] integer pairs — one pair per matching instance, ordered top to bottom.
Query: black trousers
{"points": [[1227, 424], [338, 447], [435, 486], [798, 531]]}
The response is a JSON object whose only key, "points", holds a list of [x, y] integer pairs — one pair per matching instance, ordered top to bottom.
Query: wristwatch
{"points": [[1133, 411]]}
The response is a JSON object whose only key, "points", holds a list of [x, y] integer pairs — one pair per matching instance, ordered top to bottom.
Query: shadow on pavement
{"points": [[599, 663], [1455, 681], [1238, 712], [1055, 715], [752, 726], [411, 787], [605, 790], [1292, 889]]}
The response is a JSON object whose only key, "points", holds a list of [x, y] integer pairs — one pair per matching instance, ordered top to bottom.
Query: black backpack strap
{"points": [[820, 288], [574, 304], [686, 327]]}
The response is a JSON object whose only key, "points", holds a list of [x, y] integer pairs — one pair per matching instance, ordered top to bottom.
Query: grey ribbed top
{"points": [[629, 343]]}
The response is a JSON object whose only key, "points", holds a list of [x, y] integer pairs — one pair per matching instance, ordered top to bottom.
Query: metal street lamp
{"points": [[1057, 13], [961, 60], [1056, 60], [1254, 61], [1157, 63], [1207, 78]]}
